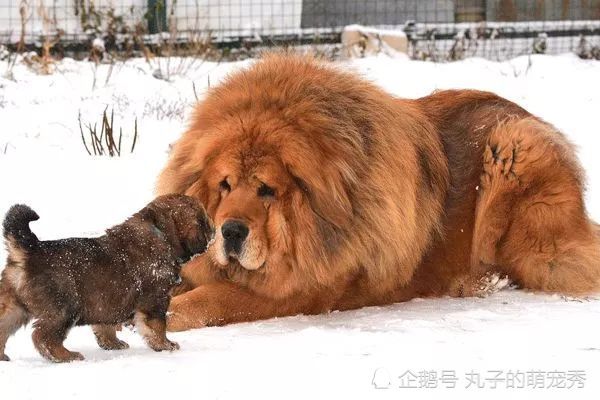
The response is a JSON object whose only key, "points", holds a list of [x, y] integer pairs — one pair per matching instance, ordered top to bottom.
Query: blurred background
{"points": [[437, 30]]}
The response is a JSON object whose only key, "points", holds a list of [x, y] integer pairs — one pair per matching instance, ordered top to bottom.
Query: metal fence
{"points": [[436, 29]]}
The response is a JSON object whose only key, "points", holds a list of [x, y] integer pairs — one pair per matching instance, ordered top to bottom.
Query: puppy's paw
{"points": [[106, 337], [113, 344], [167, 345], [172, 346], [77, 356], [4, 357], [68, 357]]}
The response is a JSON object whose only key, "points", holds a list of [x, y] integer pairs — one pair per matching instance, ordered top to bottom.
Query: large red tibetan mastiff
{"points": [[330, 194]]}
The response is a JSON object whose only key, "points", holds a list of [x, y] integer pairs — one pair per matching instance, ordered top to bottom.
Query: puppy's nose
{"points": [[234, 232]]}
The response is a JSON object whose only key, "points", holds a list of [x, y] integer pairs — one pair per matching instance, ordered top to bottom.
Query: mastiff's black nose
{"points": [[234, 233]]}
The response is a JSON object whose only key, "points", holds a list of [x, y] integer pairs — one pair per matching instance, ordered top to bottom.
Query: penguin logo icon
{"points": [[381, 379]]}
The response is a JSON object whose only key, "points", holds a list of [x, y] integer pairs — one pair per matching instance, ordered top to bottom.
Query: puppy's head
{"points": [[183, 223]]}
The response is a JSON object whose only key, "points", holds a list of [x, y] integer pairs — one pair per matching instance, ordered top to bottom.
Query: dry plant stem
{"points": [[24, 14], [194, 89], [135, 135], [82, 136], [105, 143]]}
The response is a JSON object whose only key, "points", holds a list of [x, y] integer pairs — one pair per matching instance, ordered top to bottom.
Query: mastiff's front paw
{"points": [[185, 314]]}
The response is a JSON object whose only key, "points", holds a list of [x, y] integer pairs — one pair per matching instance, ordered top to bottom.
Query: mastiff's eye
{"points": [[224, 185], [265, 191]]}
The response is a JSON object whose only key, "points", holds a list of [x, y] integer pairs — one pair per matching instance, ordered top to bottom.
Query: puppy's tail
{"points": [[16, 228]]}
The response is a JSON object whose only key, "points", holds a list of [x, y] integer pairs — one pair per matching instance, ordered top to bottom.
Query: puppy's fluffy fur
{"points": [[127, 273]]}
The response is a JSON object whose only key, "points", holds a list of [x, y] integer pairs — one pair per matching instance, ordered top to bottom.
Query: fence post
{"points": [[470, 11], [157, 16]]}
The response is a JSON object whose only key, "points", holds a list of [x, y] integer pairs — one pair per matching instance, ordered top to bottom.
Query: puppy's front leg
{"points": [[153, 328], [106, 337]]}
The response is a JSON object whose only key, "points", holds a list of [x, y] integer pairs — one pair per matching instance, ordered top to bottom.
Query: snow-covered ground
{"points": [[519, 344]]}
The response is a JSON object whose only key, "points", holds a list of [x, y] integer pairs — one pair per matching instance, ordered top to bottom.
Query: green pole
{"points": [[157, 16]]}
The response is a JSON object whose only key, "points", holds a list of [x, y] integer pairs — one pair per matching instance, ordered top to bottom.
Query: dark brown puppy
{"points": [[127, 273]]}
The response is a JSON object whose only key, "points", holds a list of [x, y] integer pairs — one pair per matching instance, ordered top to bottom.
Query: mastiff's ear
{"points": [[186, 162], [328, 200]]}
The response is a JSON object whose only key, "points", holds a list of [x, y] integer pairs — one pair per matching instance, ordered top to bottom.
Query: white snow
{"points": [[360, 354]]}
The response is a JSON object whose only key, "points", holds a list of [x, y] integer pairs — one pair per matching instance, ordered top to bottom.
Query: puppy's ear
{"points": [[161, 220]]}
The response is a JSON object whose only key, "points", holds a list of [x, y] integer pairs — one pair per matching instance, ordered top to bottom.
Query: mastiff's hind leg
{"points": [[530, 220]]}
